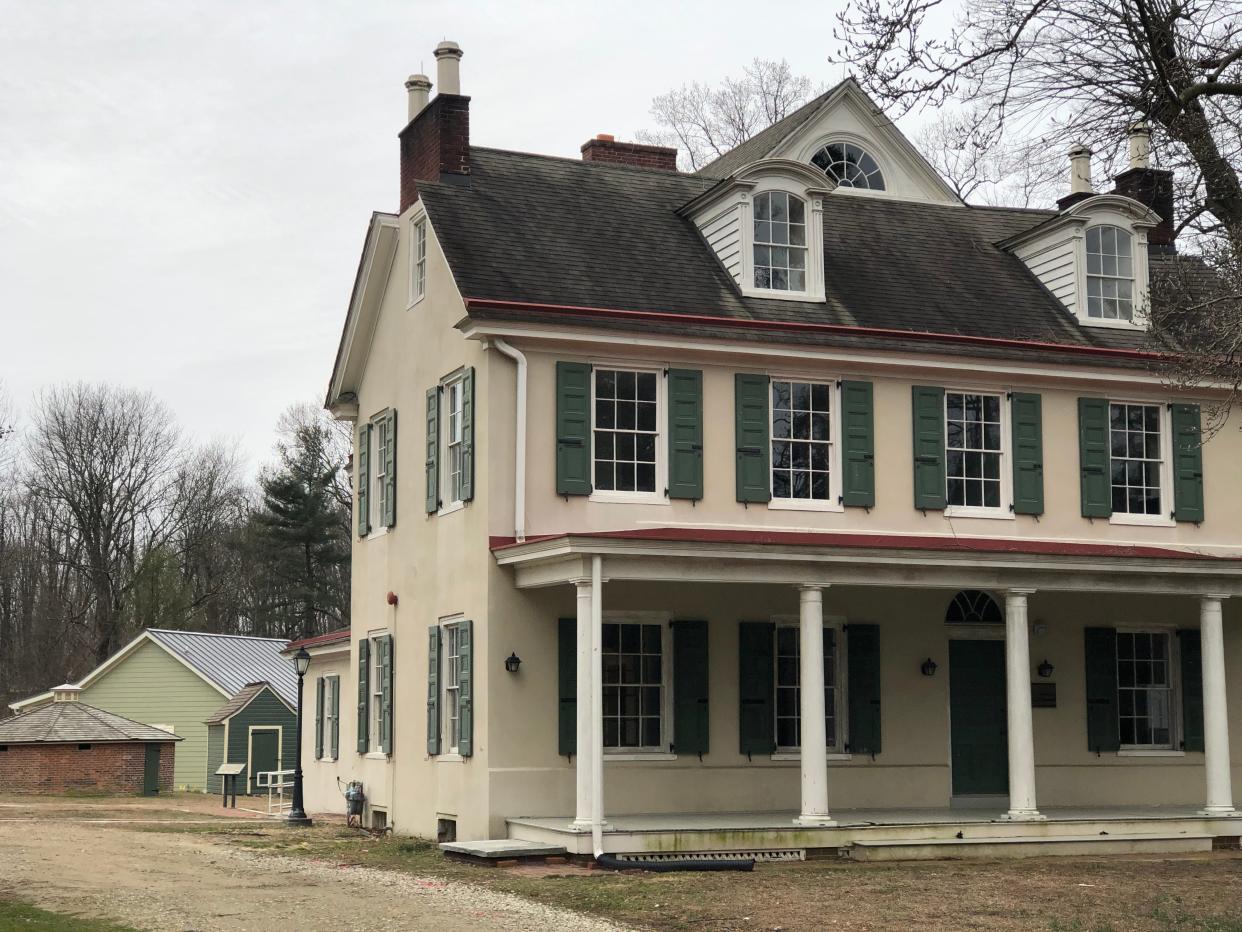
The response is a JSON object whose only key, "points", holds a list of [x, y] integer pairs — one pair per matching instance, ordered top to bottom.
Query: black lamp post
{"points": [[297, 814]]}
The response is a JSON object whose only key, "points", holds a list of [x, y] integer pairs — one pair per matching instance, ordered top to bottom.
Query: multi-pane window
{"points": [[850, 166], [780, 241], [1110, 273], [418, 284], [453, 396], [626, 430], [1134, 433], [801, 440], [973, 450], [379, 469], [451, 660], [633, 660], [788, 674], [1144, 689], [377, 692]]}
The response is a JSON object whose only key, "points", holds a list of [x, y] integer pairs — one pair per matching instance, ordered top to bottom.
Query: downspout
{"points": [[519, 465]]}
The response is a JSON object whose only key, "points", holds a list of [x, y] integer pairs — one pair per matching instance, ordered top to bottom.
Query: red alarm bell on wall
{"points": [[392, 598]]}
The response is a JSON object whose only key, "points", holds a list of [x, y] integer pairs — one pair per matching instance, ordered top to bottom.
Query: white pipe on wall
{"points": [[519, 467]]}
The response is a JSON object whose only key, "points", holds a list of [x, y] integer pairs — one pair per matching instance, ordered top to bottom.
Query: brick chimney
{"points": [[435, 145], [605, 148], [1150, 186]]}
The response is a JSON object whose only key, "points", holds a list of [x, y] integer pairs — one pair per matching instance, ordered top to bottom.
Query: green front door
{"points": [[980, 752], [264, 755], [151, 771]]}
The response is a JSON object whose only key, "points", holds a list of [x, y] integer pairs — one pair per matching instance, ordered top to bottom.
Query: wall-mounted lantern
{"points": [[512, 662], [928, 667], [1045, 669]]}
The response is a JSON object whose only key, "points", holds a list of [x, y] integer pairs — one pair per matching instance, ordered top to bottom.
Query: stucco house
{"points": [[789, 504], [181, 680]]}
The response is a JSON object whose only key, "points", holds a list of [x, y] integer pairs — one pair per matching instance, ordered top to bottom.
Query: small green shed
{"points": [[256, 728]]}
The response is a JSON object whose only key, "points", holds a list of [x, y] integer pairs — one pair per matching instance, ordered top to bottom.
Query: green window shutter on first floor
{"points": [[750, 409], [1026, 411], [928, 422], [573, 428], [685, 433], [467, 435], [857, 445], [1094, 458], [432, 459], [1187, 463], [363, 486], [389, 518], [862, 646], [1191, 657], [386, 665], [1101, 668], [567, 686], [756, 687], [465, 688], [433, 689], [364, 695], [690, 705], [336, 717], [319, 718]]}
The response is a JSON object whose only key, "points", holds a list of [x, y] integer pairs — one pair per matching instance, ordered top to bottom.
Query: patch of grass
{"points": [[1173, 916], [18, 917]]}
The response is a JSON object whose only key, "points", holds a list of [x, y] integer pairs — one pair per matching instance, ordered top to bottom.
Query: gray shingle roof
{"points": [[764, 141], [558, 231], [233, 661], [243, 698], [76, 722]]}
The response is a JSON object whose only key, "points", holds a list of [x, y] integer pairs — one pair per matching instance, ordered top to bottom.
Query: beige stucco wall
{"points": [[320, 789]]}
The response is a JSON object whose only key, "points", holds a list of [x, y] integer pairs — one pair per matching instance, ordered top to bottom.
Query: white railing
{"points": [[276, 782]]}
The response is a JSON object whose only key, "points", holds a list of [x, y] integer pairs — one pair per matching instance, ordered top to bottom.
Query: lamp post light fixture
{"points": [[512, 662], [929, 667], [1045, 670], [297, 812]]}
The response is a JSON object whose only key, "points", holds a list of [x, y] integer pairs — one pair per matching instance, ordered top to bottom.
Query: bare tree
{"points": [[705, 122]]}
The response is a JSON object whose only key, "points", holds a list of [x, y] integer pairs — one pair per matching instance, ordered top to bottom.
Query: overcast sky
{"points": [[184, 187]]}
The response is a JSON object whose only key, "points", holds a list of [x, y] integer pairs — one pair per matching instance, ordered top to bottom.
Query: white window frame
{"points": [[814, 201], [1139, 257], [418, 258], [1132, 278], [377, 463], [660, 494], [450, 497], [833, 502], [1004, 510], [1165, 517], [835, 623], [331, 684], [376, 685], [450, 686], [1175, 695], [660, 751]]}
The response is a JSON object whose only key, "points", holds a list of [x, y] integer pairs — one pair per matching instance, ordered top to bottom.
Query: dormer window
{"points": [[850, 166], [780, 241], [1110, 273]]}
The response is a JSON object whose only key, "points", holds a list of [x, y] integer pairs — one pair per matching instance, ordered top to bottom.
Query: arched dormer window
{"points": [[850, 166], [780, 241], [1110, 273], [973, 607]]}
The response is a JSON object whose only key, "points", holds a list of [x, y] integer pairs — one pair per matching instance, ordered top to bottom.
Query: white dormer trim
{"points": [[873, 147], [1056, 253]]}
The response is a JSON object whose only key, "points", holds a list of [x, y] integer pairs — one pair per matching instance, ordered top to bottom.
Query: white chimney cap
{"points": [[448, 47], [448, 67], [418, 91], [1080, 169]]}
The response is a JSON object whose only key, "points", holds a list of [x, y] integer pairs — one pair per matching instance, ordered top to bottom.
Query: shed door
{"points": [[978, 721], [264, 755], [151, 771]]}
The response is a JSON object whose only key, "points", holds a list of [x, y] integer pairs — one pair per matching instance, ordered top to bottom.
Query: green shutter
{"points": [[750, 407], [928, 420], [573, 428], [685, 433], [467, 435], [857, 445], [433, 450], [1028, 453], [1094, 458], [1187, 463], [390, 470], [363, 485], [1191, 652], [386, 665], [1101, 667], [567, 686], [756, 686], [863, 687], [465, 688], [433, 689], [364, 695], [336, 717], [319, 718], [690, 731]]}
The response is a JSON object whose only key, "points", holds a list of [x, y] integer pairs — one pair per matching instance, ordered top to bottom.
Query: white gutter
{"points": [[519, 465], [597, 707]]}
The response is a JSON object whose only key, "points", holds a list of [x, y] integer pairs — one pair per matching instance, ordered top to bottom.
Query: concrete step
{"points": [[931, 849], [502, 851]]}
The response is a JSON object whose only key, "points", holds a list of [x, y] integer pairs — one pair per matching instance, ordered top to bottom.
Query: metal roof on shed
{"points": [[234, 661]]}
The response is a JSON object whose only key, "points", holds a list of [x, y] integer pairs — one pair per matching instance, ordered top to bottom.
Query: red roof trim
{"points": [[671, 317], [871, 541], [320, 639]]}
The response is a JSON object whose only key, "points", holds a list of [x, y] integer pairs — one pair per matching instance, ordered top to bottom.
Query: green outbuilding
{"points": [[256, 728]]}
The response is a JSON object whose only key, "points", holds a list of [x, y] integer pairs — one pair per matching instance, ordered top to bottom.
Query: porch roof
{"points": [[825, 558]]}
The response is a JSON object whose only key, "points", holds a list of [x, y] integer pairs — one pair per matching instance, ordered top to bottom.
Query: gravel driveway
{"points": [[163, 881]]}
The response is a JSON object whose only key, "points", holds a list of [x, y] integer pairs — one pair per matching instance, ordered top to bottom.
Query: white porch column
{"points": [[1018, 701], [597, 705], [1215, 714], [814, 750], [582, 762]]}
